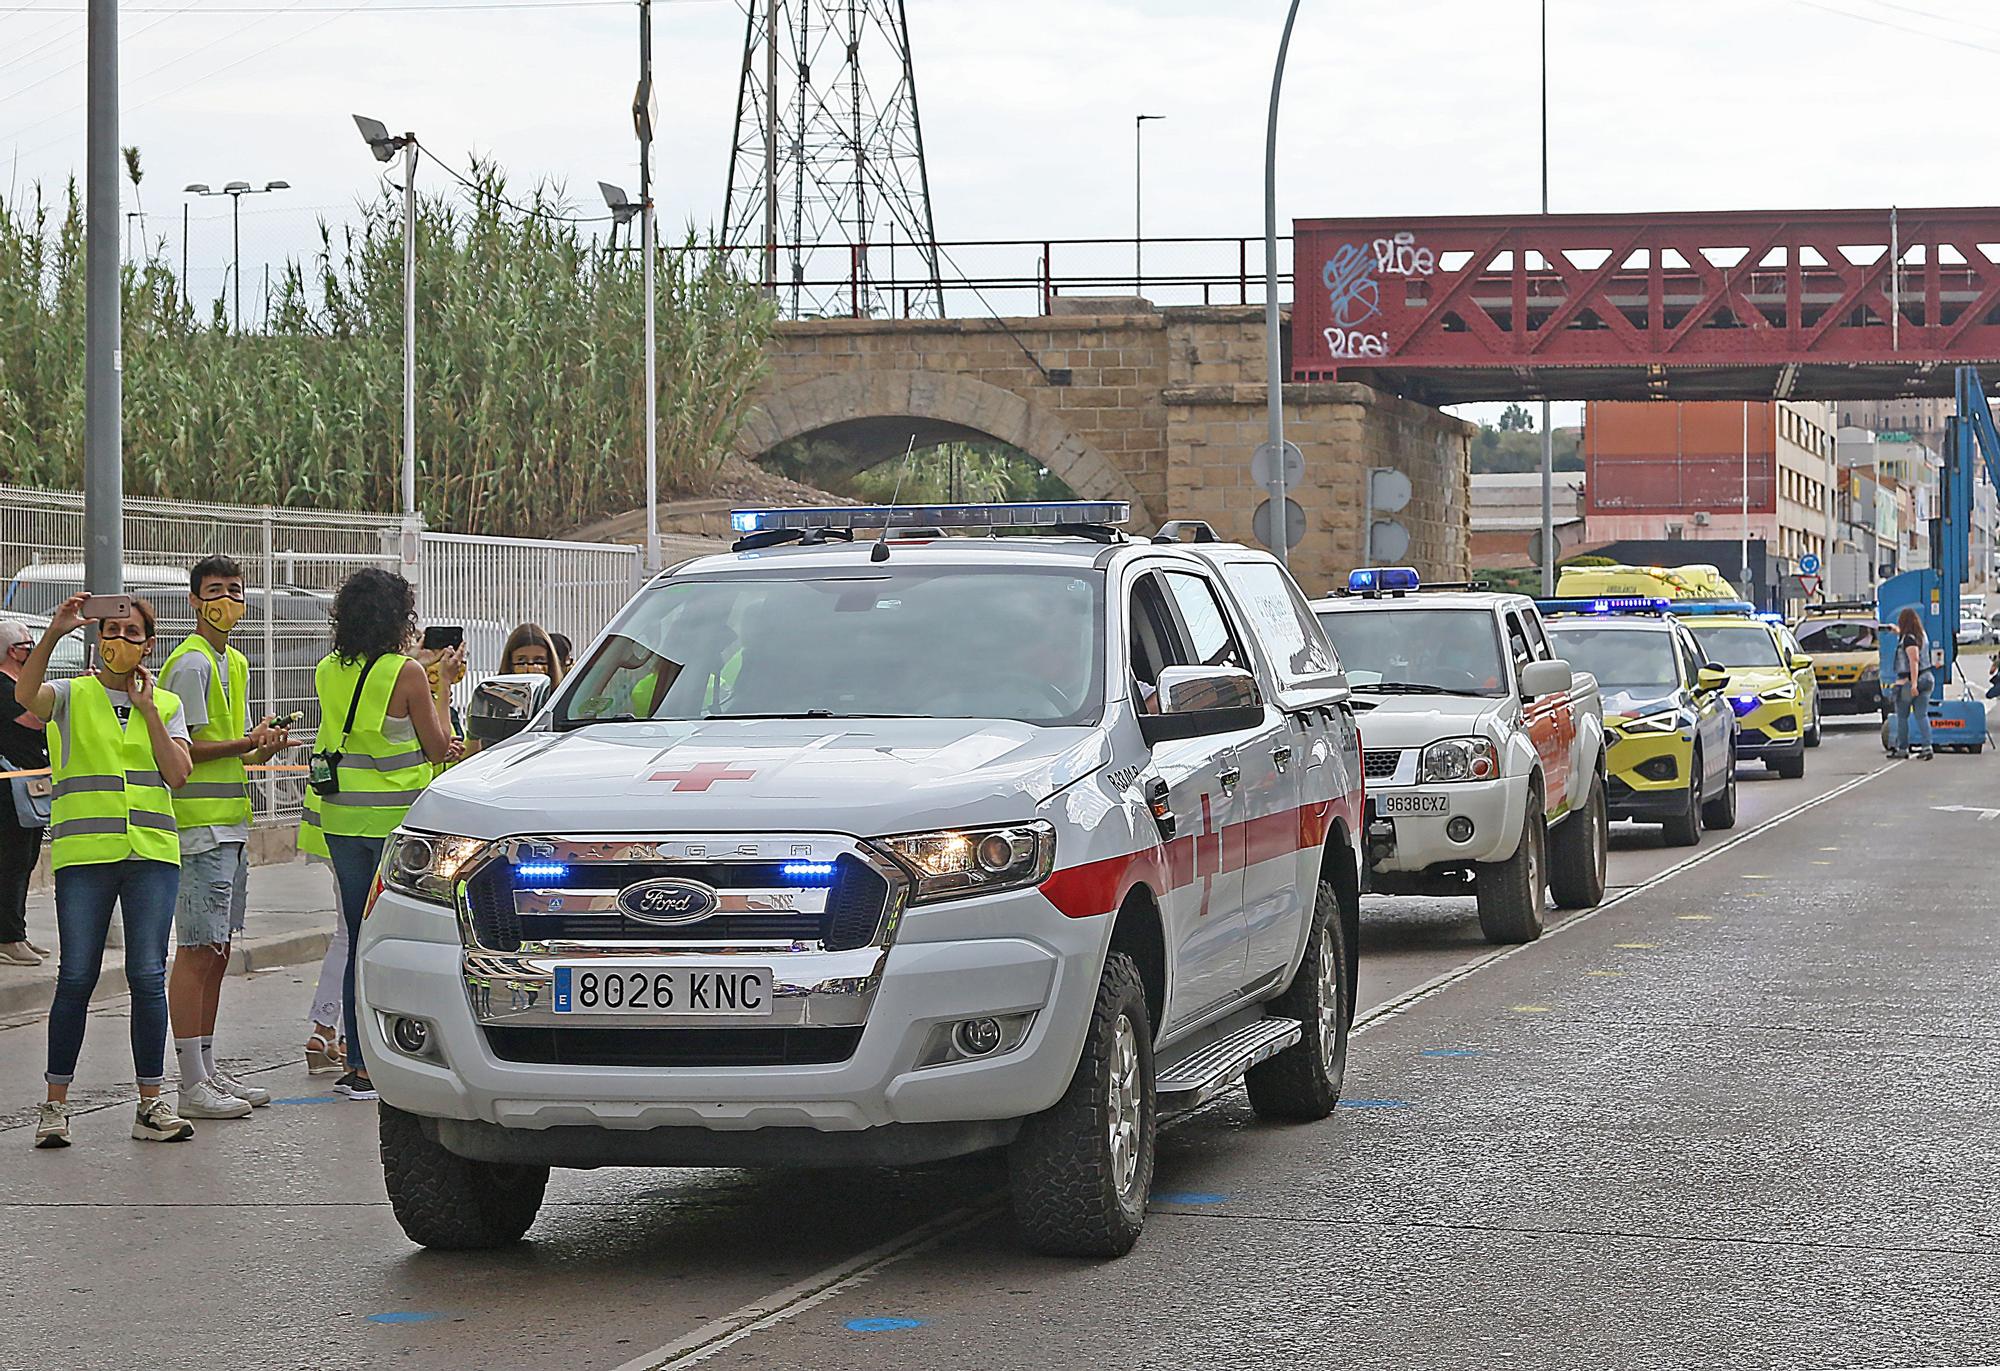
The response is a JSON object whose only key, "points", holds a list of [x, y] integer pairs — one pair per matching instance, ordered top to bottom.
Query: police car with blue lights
{"points": [[1669, 731], [1484, 751], [878, 851]]}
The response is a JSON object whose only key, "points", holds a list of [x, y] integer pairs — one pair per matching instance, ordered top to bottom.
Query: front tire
{"points": [[1812, 734], [1792, 767], [1684, 829], [1579, 852], [1513, 895], [1302, 1083], [1080, 1172], [449, 1202]]}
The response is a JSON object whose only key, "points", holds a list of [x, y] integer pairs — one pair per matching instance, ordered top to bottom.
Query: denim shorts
{"points": [[214, 888]]}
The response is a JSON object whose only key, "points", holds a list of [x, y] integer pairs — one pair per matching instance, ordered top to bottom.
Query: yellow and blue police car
{"points": [[1769, 683]]}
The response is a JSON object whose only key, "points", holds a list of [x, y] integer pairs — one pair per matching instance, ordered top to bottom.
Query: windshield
{"points": [[1837, 637], [936, 643], [1749, 645], [1419, 651], [1638, 660]]}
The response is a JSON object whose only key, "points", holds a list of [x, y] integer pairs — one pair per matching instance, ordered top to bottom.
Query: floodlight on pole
{"points": [[385, 146], [235, 190], [623, 208]]}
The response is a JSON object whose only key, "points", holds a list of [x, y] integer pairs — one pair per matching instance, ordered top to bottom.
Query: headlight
{"points": [[1872, 671], [1781, 693], [1652, 723], [1459, 759], [975, 861], [428, 865]]}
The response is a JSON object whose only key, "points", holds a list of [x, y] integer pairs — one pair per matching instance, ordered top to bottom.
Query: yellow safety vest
{"points": [[379, 779], [217, 794], [111, 802]]}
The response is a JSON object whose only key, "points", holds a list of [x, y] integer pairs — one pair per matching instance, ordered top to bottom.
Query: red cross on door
{"points": [[702, 775]]}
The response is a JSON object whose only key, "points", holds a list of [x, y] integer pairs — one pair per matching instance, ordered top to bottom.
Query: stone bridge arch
{"points": [[878, 411]]}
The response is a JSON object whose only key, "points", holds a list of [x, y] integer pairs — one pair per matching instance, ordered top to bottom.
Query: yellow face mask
{"points": [[222, 613], [119, 655]]}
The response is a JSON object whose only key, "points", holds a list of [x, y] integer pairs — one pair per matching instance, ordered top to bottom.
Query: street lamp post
{"points": [[645, 116], [1139, 123], [385, 146], [235, 190], [1273, 351], [1548, 434]]}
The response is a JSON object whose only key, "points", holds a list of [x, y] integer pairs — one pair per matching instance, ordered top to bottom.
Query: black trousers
{"points": [[18, 849]]}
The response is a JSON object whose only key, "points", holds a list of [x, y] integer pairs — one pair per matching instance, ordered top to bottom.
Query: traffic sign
{"points": [[1263, 467], [1388, 490], [1295, 523], [1388, 541], [1535, 546], [1809, 564]]}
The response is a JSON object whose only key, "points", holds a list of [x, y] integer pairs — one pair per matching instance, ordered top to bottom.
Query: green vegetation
{"points": [[530, 406], [1520, 449], [948, 473]]}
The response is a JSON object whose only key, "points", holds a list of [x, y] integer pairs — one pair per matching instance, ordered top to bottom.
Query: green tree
{"points": [[1516, 419]]}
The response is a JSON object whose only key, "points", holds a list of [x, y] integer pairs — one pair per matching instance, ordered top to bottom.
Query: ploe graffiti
{"points": [[1355, 295]]}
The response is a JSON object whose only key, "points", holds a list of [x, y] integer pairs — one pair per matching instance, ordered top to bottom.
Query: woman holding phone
{"points": [[384, 724], [118, 748]]}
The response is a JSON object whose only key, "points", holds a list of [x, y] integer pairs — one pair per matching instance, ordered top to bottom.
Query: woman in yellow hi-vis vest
{"points": [[382, 729], [118, 748]]}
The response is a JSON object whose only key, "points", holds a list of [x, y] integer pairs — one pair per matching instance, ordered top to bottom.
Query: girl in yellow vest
{"points": [[212, 681], [382, 728], [118, 747]]}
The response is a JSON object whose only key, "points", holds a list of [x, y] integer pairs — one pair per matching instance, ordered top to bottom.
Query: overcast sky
{"points": [[1392, 107]]}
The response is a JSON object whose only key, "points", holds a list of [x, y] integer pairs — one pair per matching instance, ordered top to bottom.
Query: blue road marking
{"points": [[1451, 1052], [1374, 1104], [1188, 1197], [403, 1316], [881, 1325]]}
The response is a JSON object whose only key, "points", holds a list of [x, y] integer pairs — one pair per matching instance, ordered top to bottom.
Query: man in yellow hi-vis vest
{"points": [[212, 680]]}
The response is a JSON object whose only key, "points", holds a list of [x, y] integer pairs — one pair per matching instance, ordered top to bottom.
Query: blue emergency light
{"points": [[1047, 514], [1368, 579], [1603, 604], [1711, 607], [1771, 617], [1742, 704], [531, 873], [808, 873]]}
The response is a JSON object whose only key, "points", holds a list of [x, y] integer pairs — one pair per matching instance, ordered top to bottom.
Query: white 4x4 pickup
{"points": [[1485, 753], [879, 853]]}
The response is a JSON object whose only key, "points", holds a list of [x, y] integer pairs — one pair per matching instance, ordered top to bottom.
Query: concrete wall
{"points": [[1160, 407]]}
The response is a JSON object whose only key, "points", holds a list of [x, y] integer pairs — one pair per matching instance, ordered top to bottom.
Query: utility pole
{"points": [[643, 119], [1274, 357], [1548, 434], [103, 436], [411, 520]]}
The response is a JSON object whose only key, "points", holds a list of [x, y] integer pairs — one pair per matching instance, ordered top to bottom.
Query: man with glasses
{"points": [[212, 680], [23, 747]]}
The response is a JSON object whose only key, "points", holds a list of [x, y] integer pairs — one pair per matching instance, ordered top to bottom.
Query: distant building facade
{"points": [[1507, 514]]}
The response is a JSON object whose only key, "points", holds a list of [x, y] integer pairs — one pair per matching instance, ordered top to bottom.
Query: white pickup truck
{"points": [[1484, 752]]}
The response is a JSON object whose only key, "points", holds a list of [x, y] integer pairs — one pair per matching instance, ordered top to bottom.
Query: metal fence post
{"points": [[269, 665]]}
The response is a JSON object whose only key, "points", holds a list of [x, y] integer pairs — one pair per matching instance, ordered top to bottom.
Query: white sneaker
{"points": [[38, 949], [20, 954], [257, 1095], [208, 1100], [157, 1122], [52, 1124]]}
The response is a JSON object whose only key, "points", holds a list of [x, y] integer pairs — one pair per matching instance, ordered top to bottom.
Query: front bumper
{"points": [[1850, 695], [1772, 728], [1647, 774], [1412, 843], [880, 1008]]}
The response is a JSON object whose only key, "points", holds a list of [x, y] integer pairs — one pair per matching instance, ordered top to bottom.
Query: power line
{"points": [[1899, 28], [491, 194]]}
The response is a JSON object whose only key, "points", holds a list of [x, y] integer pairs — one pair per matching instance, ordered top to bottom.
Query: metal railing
{"points": [[1009, 277], [293, 560]]}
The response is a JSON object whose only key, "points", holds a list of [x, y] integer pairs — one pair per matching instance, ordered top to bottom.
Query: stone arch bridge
{"points": [[1122, 401]]}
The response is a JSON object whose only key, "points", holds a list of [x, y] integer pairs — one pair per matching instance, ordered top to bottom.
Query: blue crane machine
{"points": [[1933, 591]]}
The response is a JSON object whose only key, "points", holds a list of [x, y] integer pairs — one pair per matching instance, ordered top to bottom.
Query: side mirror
{"points": [[1801, 662], [1711, 677], [1545, 678], [1195, 701], [502, 705]]}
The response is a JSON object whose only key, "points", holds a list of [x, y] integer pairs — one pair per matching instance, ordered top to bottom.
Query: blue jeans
{"points": [[1911, 723], [354, 863], [145, 891]]}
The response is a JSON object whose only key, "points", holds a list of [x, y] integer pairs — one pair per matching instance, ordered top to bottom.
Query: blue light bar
{"points": [[1043, 515], [1363, 580], [1603, 604], [1710, 607], [1772, 617], [540, 871], [807, 871]]}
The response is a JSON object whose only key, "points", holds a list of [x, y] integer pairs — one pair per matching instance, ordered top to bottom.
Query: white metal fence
{"points": [[293, 560]]}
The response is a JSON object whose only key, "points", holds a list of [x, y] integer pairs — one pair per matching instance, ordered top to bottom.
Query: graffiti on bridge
{"points": [[1354, 290]]}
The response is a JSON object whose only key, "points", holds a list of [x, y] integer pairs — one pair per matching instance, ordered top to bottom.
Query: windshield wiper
{"points": [[1417, 688], [569, 724]]}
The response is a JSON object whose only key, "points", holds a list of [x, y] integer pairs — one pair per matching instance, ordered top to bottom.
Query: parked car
{"points": [[1843, 641]]}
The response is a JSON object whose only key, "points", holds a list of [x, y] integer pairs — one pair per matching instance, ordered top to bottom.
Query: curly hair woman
{"points": [[384, 722]]}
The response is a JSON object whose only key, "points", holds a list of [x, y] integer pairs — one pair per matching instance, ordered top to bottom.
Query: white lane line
{"points": [[1390, 1008], [816, 1289]]}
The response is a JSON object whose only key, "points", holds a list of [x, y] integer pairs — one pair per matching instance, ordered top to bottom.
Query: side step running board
{"points": [[1210, 1070]]}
